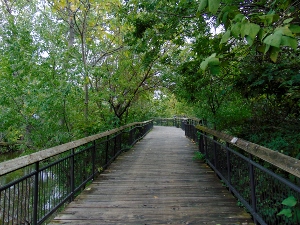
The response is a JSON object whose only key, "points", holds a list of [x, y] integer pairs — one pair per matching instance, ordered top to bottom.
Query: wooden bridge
{"points": [[150, 177], [156, 182]]}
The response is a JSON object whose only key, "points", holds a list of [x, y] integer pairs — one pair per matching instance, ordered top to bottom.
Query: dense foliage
{"points": [[71, 68], [244, 79]]}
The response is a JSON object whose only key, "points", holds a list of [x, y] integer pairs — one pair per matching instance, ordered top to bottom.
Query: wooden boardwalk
{"points": [[156, 182]]}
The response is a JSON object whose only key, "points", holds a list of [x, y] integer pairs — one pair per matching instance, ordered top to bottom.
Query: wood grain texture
{"points": [[156, 182]]}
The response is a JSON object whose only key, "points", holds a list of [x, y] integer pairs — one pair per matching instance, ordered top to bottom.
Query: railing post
{"points": [[186, 127], [195, 133], [130, 136], [120, 140], [201, 143], [115, 144], [205, 144], [106, 149], [215, 152], [94, 158], [228, 165], [72, 174], [252, 186], [36, 194]]}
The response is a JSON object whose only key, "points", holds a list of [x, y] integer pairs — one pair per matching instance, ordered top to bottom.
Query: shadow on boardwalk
{"points": [[156, 182]]}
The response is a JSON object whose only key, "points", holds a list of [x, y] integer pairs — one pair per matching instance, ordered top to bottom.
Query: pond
{"points": [[9, 155]]}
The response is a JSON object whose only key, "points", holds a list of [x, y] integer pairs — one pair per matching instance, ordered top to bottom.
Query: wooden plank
{"points": [[284, 162], [157, 182]]}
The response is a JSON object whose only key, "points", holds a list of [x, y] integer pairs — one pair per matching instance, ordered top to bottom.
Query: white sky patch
{"points": [[214, 29], [217, 30], [44, 54], [158, 95]]}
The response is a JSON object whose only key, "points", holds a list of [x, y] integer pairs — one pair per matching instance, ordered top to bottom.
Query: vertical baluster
{"points": [[130, 136], [201, 143], [205, 144], [106, 150], [215, 152], [94, 159], [228, 165], [72, 178], [252, 186], [36, 194], [22, 196], [19, 203], [2, 204], [13, 204], [8, 205]]}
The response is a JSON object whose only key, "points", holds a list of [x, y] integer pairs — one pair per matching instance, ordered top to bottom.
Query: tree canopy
{"points": [[71, 68]]}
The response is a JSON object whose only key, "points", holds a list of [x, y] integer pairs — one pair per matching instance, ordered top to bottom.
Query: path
{"points": [[156, 182]]}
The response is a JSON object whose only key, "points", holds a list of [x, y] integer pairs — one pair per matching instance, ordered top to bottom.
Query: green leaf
{"points": [[202, 5], [213, 6], [227, 13], [225, 18], [238, 18], [269, 19], [288, 20], [236, 29], [243, 29], [250, 29], [295, 29], [253, 30], [284, 30], [261, 34], [225, 37], [249, 40], [273, 40], [288, 41], [267, 47], [261, 48], [274, 54], [210, 61], [213, 61], [204, 64], [290, 201], [285, 212]]}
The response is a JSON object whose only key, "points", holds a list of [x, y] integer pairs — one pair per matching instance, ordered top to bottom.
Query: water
{"points": [[9, 155]]}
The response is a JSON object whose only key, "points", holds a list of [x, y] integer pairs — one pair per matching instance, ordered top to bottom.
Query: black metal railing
{"points": [[173, 122], [260, 186], [34, 187]]}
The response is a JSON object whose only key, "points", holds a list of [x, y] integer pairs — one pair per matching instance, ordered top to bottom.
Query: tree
{"points": [[268, 26]]}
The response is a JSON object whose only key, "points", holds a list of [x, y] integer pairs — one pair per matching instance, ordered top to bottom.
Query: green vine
{"points": [[291, 209]]}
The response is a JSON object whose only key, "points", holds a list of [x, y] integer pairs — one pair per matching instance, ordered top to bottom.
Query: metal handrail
{"points": [[175, 121], [259, 182], [34, 187]]}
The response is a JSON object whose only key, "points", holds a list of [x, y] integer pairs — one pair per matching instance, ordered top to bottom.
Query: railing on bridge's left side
{"points": [[35, 186]]}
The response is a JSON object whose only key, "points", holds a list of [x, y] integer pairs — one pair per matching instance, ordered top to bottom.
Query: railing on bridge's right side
{"points": [[259, 177], [35, 186]]}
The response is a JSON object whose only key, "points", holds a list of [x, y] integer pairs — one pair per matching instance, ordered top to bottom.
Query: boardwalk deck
{"points": [[156, 182]]}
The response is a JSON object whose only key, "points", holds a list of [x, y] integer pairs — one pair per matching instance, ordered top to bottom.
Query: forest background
{"points": [[72, 68]]}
